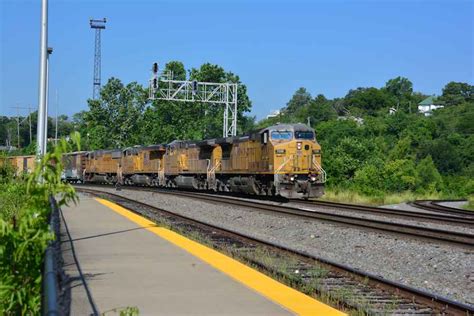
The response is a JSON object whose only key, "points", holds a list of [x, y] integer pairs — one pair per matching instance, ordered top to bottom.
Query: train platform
{"points": [[116, 259]]}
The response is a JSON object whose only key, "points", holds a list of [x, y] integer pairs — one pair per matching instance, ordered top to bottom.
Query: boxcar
{"points": [[74, 166]]}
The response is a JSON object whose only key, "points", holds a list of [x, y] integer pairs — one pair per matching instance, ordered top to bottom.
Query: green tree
{"points": [[177, 69], [399, 86], [402, 89], [455, 93], [299, 99], [370, 100], [318, 110], [114, 120], [400, 175], [428, 178], [369, 179]]}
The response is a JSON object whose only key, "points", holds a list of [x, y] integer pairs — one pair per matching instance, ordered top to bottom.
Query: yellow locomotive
{"points": [[284, 160]]}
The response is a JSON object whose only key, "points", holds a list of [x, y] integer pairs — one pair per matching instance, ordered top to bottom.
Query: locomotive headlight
{"points": [[298, 145], [280, 151], [292, 178], [313, 178]]}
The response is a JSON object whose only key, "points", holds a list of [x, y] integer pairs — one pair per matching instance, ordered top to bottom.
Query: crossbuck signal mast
{"points": [[98, 25], [164, 87]]}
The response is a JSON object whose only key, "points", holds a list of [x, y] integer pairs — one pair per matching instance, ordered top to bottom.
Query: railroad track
{"points": [[436, 207], [444, 218], [419, 232], [361, 291]]}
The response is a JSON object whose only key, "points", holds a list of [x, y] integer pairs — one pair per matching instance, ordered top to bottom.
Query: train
{"points": [[280, 160]]}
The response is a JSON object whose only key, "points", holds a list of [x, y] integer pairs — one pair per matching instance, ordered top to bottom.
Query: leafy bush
{"points": [[24, 231]]}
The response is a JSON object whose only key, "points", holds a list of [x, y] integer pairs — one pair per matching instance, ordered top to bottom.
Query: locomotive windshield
{"points": [[282, 135], [304, 135]]}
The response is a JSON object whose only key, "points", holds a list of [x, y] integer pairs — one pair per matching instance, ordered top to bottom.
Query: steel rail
{"points": [[434, 206], [388, 211], [410, 215], [432, 234], [457, 238], [446, 305]]}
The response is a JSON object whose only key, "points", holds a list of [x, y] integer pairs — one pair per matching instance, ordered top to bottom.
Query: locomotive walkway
{"points": [[118, 259]]}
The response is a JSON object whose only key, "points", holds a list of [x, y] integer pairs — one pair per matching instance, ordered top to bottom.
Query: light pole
{"points": [[42, 95], [56, 132], [45, 139]]}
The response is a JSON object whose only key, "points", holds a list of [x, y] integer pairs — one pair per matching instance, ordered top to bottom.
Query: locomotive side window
{"points": [[282, 135], [304, 135], [264, 138], [226, 150], [155, 154]]}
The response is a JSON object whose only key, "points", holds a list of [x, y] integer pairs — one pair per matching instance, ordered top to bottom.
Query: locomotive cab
{"points": [[294, 157]]}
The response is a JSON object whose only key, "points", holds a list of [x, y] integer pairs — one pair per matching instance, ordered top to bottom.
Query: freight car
{"points": [[21, 164], [74, 166]]}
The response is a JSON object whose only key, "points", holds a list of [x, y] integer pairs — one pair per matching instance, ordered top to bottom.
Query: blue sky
{"points": [[275, 47]]}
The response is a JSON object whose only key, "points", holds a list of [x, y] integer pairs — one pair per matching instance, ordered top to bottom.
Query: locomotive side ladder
{"points": [[211, 174]]}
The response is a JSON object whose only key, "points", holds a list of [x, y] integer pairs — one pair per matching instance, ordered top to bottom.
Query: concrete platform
{"points": [[124, 264]]}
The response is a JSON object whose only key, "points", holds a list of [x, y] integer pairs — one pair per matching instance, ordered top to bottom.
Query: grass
{"points": [[347, 196]]}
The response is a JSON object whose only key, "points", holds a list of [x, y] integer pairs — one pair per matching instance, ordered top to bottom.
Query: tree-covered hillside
{"points": [[370, 151]]}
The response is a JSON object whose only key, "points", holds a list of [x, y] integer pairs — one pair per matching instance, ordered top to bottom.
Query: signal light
{"points": [[155, 68], [155, 83], [194, 87]]}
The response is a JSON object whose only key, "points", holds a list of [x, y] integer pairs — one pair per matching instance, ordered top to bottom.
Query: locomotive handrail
{"points": [[322, 172]]}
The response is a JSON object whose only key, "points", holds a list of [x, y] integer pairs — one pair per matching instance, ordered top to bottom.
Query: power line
{"points": [[18, 108]]}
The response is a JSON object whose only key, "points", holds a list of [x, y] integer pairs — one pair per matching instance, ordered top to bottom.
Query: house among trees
{"points": [[429, 104]]}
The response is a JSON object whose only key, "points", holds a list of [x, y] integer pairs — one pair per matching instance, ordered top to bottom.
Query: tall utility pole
{"points": [[98, 25], [42, 95], [29, 118], [18, 126]]}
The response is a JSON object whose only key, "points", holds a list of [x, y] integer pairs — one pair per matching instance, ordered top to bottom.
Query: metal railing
{"points": [[321, 171], [50, 295]]}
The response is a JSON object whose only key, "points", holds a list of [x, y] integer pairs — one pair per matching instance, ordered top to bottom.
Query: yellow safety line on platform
{"points": [[287, 297]]}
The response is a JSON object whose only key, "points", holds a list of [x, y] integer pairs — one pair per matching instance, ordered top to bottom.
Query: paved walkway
{"points": [[126, 265]]}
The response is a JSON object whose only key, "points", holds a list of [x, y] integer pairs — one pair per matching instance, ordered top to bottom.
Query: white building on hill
{"points": [[428, 105]]}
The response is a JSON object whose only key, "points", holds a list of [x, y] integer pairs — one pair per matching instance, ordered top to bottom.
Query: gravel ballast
{"points": [[444, 269]]}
